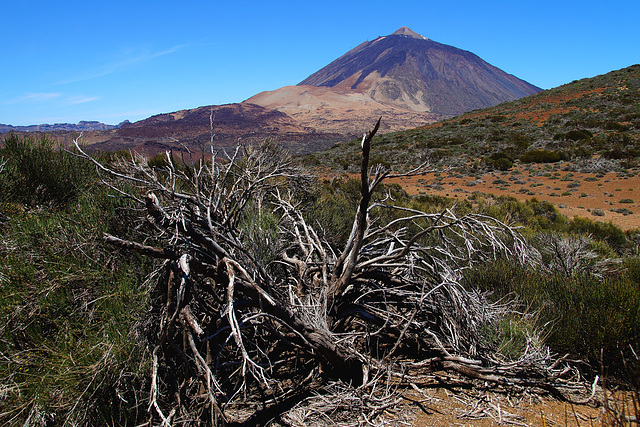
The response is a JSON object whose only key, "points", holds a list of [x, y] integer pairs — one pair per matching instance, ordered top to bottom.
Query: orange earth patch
{"points": [[610, 197], [443, 408]]}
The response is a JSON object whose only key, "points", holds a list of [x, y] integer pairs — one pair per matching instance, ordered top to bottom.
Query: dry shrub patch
{"points": [[267, 302]]}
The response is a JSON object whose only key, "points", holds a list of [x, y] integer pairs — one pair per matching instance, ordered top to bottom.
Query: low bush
{"points": [[497, 118], [611, 125], [574, 135], [521, 141], [582, 152], [543, 156], [500, 161], [38, 173], [333, 205], [622, 211], [604, 231], [69, 306], [584, 314]]}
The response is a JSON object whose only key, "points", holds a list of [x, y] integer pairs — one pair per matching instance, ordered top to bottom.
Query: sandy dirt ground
{"points": [[573, 193], [442, 408]]}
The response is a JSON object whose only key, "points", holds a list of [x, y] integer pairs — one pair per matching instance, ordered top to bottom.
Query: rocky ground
{"points": [[613, 196]]}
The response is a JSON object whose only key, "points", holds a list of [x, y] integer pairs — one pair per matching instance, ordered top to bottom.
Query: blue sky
{"points": [[66, 61]]}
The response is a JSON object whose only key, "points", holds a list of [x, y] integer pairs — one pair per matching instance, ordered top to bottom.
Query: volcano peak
{"points": [[406, 31]]}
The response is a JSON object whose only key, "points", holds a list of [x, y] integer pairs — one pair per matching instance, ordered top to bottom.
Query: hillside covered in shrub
{"points": [[593, 117], [81, 343]]}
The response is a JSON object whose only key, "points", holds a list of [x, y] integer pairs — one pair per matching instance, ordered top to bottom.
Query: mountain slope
{"points": [[414, 72], [406, 78], [344, 112], [593, 121], [231, 123]]}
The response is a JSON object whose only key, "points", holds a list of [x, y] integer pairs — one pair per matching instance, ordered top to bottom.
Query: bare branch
{"points": [[232, 327]]}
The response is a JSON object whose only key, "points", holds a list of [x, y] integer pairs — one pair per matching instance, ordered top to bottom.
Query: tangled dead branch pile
{"points": [[254, 310]]}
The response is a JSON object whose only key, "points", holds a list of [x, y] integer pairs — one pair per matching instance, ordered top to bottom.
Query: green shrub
{"points": [[497, 118], [611, 125], [578, 134], [455, 140], [521, 141], [582, 152], [616, 153], [438, 155], [542, 156], [310, 160], [380, 160], [500, 161], [503, 164], [38, 173], [333, 207], [622, 211], [546, 214], [605, 231], [632, 268], [69, 306], [585, 315]]}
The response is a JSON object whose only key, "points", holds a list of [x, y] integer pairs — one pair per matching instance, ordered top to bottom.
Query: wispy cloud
{"points": [[123, 61], [44, 97], [32, 98], [73, 100]]}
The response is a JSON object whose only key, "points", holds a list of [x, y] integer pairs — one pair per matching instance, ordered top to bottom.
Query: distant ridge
{"points": [[81, 126]]}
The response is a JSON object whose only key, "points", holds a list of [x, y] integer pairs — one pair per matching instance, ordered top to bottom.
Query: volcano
{"points": [[405, 77]]}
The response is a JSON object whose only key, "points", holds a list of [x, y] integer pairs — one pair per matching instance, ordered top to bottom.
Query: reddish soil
{"points": [[538, 110], [573, 193], [444, 408]]}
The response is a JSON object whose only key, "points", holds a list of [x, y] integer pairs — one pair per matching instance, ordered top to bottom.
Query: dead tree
{"points": [[248, 314]]}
